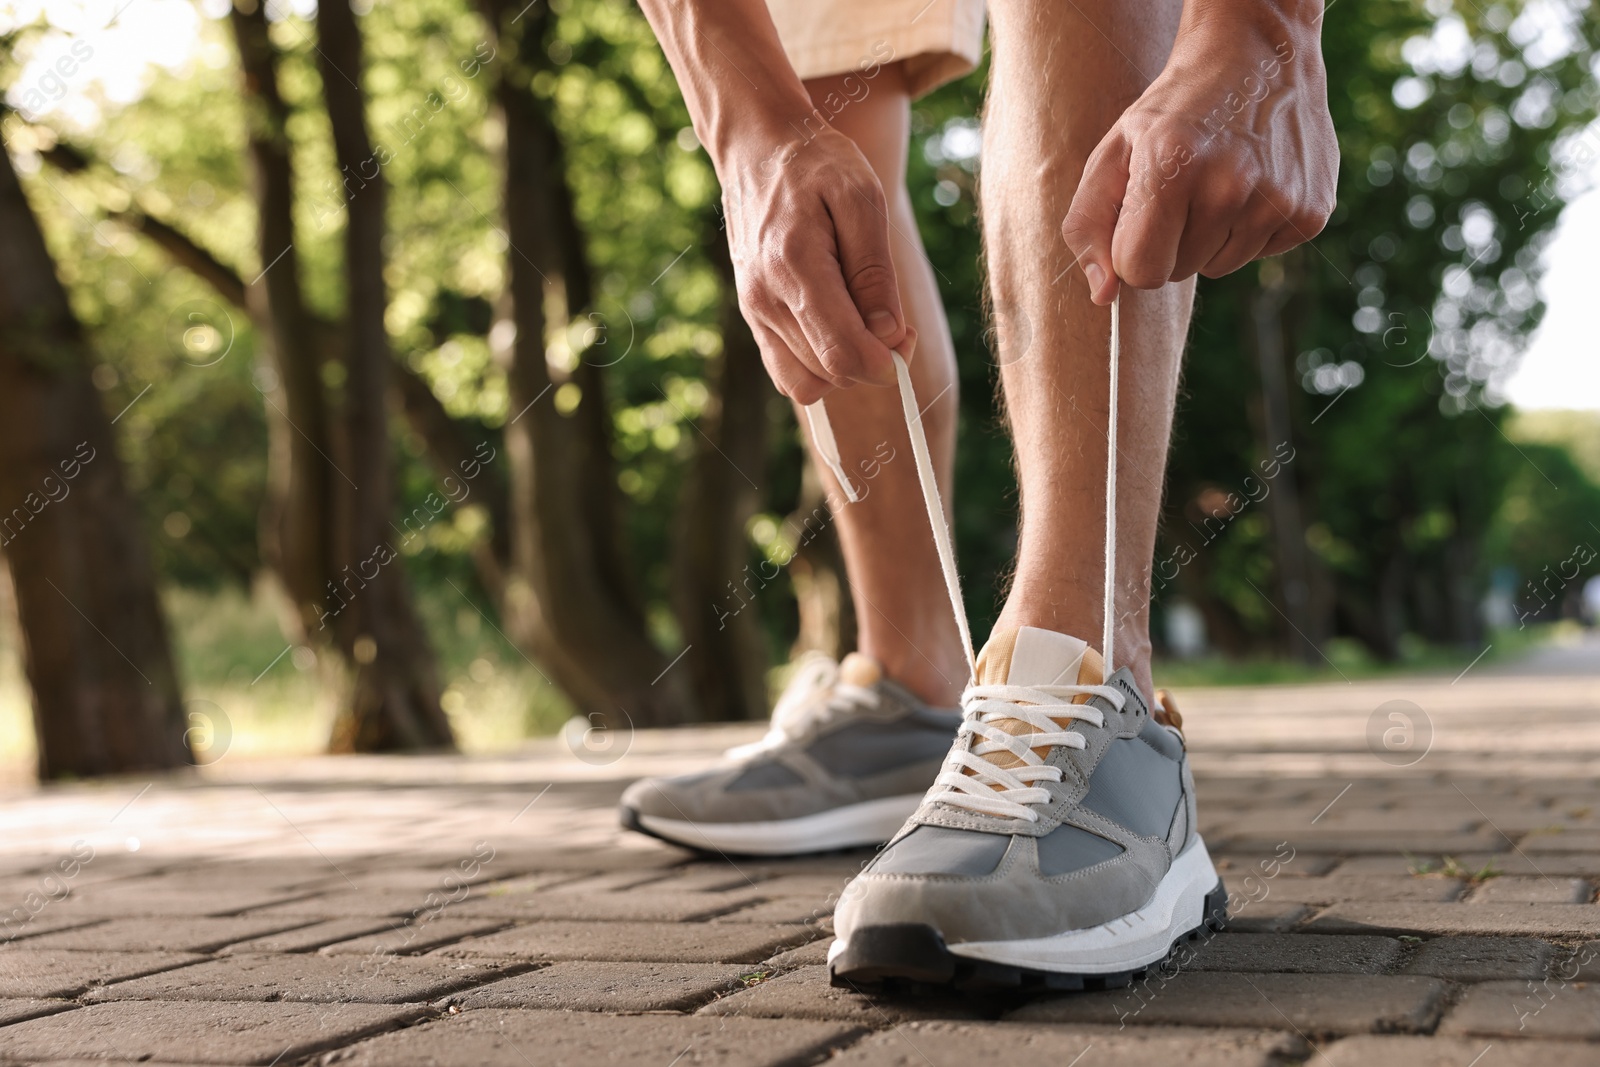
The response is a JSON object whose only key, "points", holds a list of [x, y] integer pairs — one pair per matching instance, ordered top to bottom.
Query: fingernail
{"points": [[1096, 276], [882, 324]]}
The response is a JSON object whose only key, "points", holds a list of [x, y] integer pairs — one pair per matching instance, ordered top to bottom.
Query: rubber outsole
{"points": [[631, 819], [908, 957]]}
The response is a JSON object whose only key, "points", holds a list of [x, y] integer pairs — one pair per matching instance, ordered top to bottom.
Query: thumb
{"points": [[1092, 219]]}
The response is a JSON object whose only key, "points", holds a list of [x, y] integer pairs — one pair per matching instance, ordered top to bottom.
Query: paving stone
{"points": [[1398, 839], [1586, 841], [1269, 863], [1545, 864], [276, 873], [445, 878], [714, 878], [575, 881], [820, 886], [1363, 887], [1525, 889], [117, 899], [373, 903], [644, 904], [782, 910], [1267, 916], [1534, 920], [45, 922], [170, 934], [310, 938], [413, 938], [645, 942], [811, 953], [1291, 953], [1482, 959], [1584, 964], [33, 972], [306, 977], [624, 987], [805, 994], [1313, 1003], [1549, 1009], [13, 1011], [197, 1031], [510, 1038], [918, 1044], [1399, 1051]]}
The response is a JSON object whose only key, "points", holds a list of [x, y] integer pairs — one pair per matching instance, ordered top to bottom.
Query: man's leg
{"points": [[1061, 75], [901, 609]]}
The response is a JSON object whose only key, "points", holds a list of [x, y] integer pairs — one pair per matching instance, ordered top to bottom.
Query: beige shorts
{"points": [[936, 40]]}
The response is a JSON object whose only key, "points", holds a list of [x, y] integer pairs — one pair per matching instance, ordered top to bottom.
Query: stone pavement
{"points": [[1413, 866]]}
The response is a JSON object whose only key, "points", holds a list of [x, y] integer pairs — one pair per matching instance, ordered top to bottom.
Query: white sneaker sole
{"points": [[871, 822], [1124, 944]]}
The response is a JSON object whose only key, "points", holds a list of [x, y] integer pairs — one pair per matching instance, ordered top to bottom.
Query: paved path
{"points": [[1428, 902]]}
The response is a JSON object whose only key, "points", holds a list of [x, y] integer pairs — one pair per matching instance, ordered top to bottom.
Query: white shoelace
{"points": [[813, 696], [984, 705]]}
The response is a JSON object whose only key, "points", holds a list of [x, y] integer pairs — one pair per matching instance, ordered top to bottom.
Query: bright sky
{"points": [[106, 50]]}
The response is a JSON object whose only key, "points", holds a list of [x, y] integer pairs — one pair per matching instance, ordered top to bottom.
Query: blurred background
{"points": [[371, 380]]}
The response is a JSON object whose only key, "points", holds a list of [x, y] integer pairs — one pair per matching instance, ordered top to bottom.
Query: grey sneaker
{"points": [[845, 762], [1058, 846]]}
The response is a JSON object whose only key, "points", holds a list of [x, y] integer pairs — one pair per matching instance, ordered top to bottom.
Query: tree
{"points": [[329, 524], [105, 694]]}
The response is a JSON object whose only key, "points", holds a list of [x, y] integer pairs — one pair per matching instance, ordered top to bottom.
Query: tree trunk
{"points": [[1283, 505], [299, 506], [568, 597], [726, 652], [106, 698], [395, 701]]}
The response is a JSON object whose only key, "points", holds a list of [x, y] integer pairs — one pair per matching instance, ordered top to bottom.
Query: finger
{"points": [[1225, 208], [1155, 216], [1091, 221], [1295, 225], [861, 227], [1250, 234], [1286, 238], [1243, 245], [1199, 246], [832, 327], [793, 334], [908, 344], [791, 376]]}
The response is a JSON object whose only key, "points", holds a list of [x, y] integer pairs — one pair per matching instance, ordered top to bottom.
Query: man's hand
{"points": [[1228, 157], [809, 233]]}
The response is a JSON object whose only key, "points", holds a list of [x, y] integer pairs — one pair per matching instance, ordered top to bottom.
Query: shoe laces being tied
{"points": [[819, 692], [1007, 731], [1006, 735]]}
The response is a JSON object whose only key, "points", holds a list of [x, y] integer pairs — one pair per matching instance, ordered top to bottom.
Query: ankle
{"points": [[938, 683]]}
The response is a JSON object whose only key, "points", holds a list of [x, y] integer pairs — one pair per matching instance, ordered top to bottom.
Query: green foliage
{"points": [[1453, 123], [1413, 301]]}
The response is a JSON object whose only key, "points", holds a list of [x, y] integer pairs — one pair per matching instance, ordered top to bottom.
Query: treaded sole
{"points": [[907, 957]]}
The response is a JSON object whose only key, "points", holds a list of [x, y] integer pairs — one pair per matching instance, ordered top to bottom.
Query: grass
{"points": [[1346, 659], [249, 694], [1450, 867]]}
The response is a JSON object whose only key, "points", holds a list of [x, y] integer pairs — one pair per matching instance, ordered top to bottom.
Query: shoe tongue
{"points": [[1032, 656], [861, 670]]}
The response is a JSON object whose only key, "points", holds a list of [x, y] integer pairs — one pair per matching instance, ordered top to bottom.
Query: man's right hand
{"points": [[809, 234]]}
